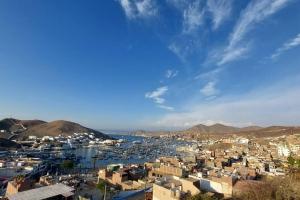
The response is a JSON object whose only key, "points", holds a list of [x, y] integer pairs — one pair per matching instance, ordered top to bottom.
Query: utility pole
{"points": [[145, 189], [104, 198]]}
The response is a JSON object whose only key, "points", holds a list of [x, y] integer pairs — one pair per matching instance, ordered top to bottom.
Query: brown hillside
{"points": [[16, 125], [62, 127], [213, 129], [219, 130], [272, 131]]}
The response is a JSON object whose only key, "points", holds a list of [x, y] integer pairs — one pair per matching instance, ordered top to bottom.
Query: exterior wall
{"points": [[171, 160], [168, 170], [102, 174], [117, 178], [130, 185], [210, 186], [216, 186], [13, 187], [189, 187], [161, 193]]}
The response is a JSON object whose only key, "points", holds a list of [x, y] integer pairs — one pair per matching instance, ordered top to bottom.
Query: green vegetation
{"points": [[291, 160], [294, 162], [67, 164], [19, 177], [101, 186], [201, 196]]}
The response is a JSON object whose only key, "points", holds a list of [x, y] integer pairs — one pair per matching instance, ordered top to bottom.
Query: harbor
{"points": [[132, 149]]}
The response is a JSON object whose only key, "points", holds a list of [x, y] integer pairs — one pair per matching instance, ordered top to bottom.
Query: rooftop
{"points": [[43, 192]]}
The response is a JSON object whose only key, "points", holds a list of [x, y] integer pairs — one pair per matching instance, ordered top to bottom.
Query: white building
{"points": [[32, 137], [243, 141], [295, 148], [283, 150]]}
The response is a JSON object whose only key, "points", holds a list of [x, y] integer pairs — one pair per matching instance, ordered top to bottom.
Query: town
{"points": [[150, 100], [231, 167]]}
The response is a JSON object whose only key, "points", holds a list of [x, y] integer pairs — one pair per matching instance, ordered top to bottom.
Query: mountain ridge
{"points": [[39, 128], [221, 130]]}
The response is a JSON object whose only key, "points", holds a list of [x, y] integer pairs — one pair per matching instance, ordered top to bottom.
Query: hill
{"points": [[16, 125], [61, 127], [39, 128], [215, 129], [220, 130], [252, 131], [271, 131]]}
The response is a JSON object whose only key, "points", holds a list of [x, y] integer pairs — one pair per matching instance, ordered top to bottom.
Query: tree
{"points": [[291, 160], [298, 163], [67, 164], [20, 178], [101, 186]]}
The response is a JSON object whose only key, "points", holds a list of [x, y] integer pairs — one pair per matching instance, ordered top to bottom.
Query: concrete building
{"points": [[283, 150], [167, 169], [127, 179], [19, 184], [222, 185], [174, 188]]}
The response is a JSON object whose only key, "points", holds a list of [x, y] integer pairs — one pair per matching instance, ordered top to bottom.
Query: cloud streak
{"points": [[135, 9], [220, 10], [255, 12], [193, 17], [186, 42], [287, 46], [231, 54], [171, 73], [209, 89], [157, 94], [157, 97], [273, 106], [169, 108]]}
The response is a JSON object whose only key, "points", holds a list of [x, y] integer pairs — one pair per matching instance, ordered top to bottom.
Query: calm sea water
{"points": [[149, 149], [87, 153]]}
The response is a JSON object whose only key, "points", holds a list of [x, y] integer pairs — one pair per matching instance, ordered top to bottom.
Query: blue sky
{"points": [[153, 64]]}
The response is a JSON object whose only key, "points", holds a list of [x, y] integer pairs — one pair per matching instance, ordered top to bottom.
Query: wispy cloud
{"points": [[179, 4], [139, 8], [220, 10], [255, 12], [193, 17], [187, 40], [287, 46], [182, 47], [232, 54], [171, 73], [210, 75], [209, 89], [157, 95], [266, 106], [169, 108]]}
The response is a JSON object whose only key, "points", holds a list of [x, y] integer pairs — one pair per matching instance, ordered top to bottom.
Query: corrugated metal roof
{"points": [[42, 192]]}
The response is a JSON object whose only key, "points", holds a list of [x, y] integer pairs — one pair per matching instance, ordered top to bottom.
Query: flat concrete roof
{"points": [[43, 192]]}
